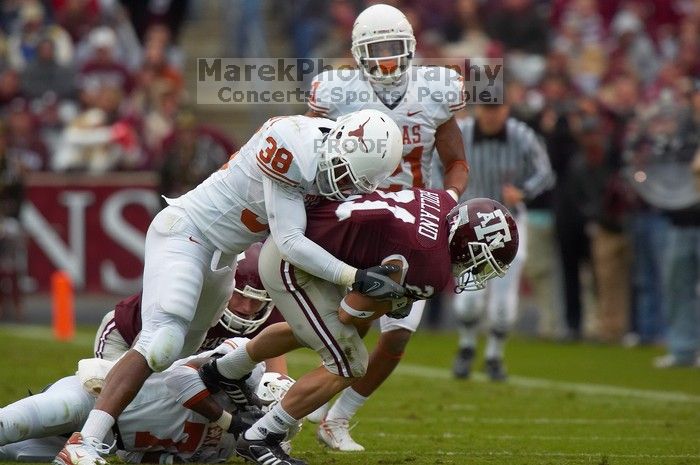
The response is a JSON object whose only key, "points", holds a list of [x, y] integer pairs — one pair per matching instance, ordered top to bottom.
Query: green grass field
{"points": [[564, 404]]}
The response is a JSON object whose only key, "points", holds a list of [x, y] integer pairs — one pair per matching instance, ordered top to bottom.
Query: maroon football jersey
{"points": [[364, 231], [127, 319]]}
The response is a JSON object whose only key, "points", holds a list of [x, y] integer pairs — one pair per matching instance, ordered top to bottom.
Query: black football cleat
{"points": [[462, 367], [495, 369], [237, 390], [267, 451]]}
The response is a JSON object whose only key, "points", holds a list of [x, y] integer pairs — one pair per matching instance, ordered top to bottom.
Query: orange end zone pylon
{"points": [[63, 313]]}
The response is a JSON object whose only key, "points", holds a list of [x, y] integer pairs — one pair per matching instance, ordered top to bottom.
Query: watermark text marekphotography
{"points": [[436, 81]]}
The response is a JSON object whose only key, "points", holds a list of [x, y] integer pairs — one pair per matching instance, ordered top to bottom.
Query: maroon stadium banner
{"points": [[92, 226]]}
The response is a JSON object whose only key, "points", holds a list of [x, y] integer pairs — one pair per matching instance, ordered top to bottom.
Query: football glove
{"points": [[375, 282], [400, 308], [242, 397]]}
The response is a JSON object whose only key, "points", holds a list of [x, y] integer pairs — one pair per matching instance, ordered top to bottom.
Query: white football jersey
{"points": [[431, 97], [229, 206], [155, 421]]}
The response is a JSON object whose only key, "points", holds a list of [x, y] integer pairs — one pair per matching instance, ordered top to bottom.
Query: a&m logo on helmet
{"points": [[493, 229]]}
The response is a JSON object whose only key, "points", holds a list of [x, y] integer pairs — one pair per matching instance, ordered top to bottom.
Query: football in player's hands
{"points": [[375, 282]]}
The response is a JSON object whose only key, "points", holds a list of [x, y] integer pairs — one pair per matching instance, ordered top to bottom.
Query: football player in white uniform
{"points": [[422, 101], [192, 244], [248, 311], [174, 418]]}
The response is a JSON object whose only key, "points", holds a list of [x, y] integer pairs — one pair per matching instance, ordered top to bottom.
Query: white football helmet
{"points": [[383, 43], [360, 151], [271, 389]]}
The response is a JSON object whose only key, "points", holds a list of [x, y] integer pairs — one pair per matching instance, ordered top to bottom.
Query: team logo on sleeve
{"points": [[493, 229]]}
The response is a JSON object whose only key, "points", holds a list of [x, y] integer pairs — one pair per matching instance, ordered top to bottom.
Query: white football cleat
{"points": [[319, 414], [336, 435], [79, 451]]}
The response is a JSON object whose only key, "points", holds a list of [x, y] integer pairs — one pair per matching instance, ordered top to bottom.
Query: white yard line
{"points": [[42, 333], [422, 371], [428, 372], [527, 421], [510, 437], [526, 454]]}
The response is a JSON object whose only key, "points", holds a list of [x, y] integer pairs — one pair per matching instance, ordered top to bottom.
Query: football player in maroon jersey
{"points": [[383, 44], [427, 241], [248, 311]]}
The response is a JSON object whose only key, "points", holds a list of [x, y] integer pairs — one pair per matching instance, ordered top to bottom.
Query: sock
{"points": [[467, 335], [495, 345], [236, 364], [347, 405], [274, 421], [97, 425]]}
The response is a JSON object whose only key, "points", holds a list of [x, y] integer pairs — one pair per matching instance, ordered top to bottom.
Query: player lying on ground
{"points": [[422, 100], [427, 240], [191, 245], [248, 311], [172, 419]]}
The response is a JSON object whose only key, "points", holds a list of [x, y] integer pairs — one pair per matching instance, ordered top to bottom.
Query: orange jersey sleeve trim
{"points": [[197, 398]]}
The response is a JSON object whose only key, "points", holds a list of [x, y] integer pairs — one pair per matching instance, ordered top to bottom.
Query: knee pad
{"points": [[181, 296], [165, 347], [15, 425]]}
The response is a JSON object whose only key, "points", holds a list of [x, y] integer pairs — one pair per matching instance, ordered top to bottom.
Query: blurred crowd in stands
{"points": [[93, 86], [611, 86]]}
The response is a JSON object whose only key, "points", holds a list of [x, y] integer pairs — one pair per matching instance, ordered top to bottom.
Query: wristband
{"points": [[453, 193], [347, 276], [352, 312], [224, 420]]}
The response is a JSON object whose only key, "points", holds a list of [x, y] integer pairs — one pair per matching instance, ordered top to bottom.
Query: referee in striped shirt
{"points": [[508, 163]]}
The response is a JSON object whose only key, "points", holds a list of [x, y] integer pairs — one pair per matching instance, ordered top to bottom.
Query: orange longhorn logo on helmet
{"points": [[360, 134]]}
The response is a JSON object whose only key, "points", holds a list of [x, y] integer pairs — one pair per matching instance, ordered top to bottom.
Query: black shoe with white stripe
{"points": [[462, 367], [495, 369], [237, 390], [266, 451]]}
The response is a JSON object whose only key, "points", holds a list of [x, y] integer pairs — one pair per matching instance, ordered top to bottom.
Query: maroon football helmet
{"points": [[483, 242], [248, 284]]}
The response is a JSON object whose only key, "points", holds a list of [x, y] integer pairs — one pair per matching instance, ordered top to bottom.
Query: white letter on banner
{"points": [[130, 238], [71, 256]]}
